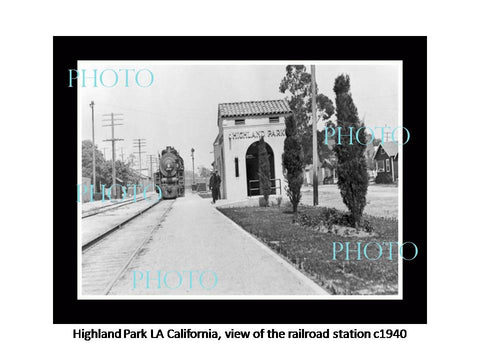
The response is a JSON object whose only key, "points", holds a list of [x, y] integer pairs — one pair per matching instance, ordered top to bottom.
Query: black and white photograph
{"points": [[211, 179], [244, 179], [229, 182]]}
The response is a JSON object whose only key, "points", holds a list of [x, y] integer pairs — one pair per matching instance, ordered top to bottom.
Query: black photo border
{"points": [[67, 309]]}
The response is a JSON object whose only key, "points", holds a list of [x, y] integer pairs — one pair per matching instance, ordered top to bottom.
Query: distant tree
{"points": [[296, 84], [376, 141], [325, 149], [369, 153], [131, 160], [292, 160], [87, 162], [351, 166], [104, 168], [264, 170], [122, 171], [203, 171]]}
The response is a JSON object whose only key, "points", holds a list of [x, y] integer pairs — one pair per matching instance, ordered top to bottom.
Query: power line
{"points": [[135, 110], [112, 124], [139, 143]]}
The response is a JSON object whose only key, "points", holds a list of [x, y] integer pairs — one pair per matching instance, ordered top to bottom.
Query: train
{"points": [[170, 177]]}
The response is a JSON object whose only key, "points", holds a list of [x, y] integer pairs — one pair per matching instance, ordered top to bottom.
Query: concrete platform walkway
{"points": [[196, 238]]}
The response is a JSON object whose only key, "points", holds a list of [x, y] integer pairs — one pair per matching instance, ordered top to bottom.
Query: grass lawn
{"points": [[312, 251]]}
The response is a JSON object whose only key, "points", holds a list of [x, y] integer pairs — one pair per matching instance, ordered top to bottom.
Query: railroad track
{"points": [[110, 207], [115, 227], [106, 258]]}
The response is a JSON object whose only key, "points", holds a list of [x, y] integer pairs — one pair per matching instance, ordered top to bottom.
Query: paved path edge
{"points": [[296, 272]]}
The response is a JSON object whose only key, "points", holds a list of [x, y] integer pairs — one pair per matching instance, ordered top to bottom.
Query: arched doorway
{"points": [[251, 161]]}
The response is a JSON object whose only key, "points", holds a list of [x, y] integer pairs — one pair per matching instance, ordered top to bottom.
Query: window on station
{"points": [[274, 119], [239, 121], [387, 163], [237, 172]]}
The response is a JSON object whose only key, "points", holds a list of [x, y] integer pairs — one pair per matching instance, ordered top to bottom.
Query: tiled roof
{"points": [[253, 108]]}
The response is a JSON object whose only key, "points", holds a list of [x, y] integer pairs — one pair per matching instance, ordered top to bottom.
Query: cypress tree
{"points": [[296, 84], [292, 159], [352, 165], [264, 170]]}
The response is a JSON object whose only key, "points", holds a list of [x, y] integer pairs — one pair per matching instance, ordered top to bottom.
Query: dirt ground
{"points": [[382, 200]]}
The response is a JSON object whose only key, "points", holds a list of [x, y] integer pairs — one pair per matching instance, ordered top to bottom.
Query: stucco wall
{"points": [[236, 141]]}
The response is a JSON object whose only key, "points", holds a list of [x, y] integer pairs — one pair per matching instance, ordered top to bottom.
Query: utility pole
{"points": [[92, 104], [387, 133], [113, 139], [314, 142], [139, 143], [121, 154], [152, 159], [193, 168]]}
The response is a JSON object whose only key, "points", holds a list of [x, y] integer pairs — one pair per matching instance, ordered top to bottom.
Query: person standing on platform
{"points": [[217, 183], [213, 187]]}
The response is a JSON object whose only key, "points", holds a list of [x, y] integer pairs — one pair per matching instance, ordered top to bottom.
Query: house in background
{"points": [[386, 159], [326, 169], [326, 172]]}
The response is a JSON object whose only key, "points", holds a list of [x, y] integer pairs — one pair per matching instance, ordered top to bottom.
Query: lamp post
{"points": [[92, 104], [193, 168]]}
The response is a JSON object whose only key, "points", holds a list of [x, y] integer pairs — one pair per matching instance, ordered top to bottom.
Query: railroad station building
{"points": [[240, 127]]}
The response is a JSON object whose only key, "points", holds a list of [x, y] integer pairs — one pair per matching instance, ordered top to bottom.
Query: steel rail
{"points": [[114, 228]]}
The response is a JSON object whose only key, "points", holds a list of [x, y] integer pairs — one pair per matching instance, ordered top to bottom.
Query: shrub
{"points": [[292, 159], [264, 170], [383, 178], [328, 180], [279, 201], [262, 202], [328, 217], [367, 226]]}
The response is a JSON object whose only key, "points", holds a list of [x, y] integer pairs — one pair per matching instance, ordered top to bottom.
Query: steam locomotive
{"points": [[171, 175]]}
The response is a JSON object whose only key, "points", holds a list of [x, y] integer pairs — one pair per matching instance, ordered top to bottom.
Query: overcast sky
{"points": [[180, 107]]}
